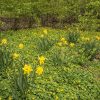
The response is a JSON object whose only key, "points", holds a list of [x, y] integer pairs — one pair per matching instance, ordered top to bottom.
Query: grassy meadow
{"points": [[49, 64]]}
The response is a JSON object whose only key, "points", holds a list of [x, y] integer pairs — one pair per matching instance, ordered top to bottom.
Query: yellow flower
{"points": [[45, 31], [42, 36], [97, 37], [63, 39], [87, 39], [4, 41], [65, 42], [72, 44], [21, 46], [15, 55], [41, 60], [27, 69], [39, 70], [0, 98], [10, 98], [33, 98], [56, 98]]}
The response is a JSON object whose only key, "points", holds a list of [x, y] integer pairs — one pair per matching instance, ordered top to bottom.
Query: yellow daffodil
{"points": [[45, 31], [42, 36], [97, 37], [63, 39], [87, 39], [4, 41], [65, 42], [72, 44], [21, 46], [15, 55], [41, 60], [27, 69], [39, 70], [0, 98], [10, 98], [33, 98], [56, 98]]}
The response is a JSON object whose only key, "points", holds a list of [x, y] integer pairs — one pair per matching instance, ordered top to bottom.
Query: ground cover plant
{"points": [[49, 64]]}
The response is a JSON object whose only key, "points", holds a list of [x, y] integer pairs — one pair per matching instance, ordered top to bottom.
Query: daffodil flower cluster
{"points": [[44, 33], [98, 37], [4, 41], [62, 42], [21, 46], [15, 56], [41, 60], [27, 69], [39, 69]]}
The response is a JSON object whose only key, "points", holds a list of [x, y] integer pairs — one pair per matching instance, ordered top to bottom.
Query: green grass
{"points": [[64, 80]]}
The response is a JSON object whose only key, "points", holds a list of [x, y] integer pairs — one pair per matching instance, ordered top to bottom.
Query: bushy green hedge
{"points": [[86, 12]]}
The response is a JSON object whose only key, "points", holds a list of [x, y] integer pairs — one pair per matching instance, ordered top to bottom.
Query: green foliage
{"points": [[85, 13], [73, 37], [44, 44], [90, 50], [58, 56], [5, 57], [67, 74], [20, 86]]}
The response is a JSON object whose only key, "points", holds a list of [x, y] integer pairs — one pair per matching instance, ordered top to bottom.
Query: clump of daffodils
{"points": [[45, 31], [41, 35], [98, 37], [85, 38], [3, 41], [62, 42], [59, 44], [72, 44], [21, 46], [15, 56], [41, 60], [27, 69], [39, 70], [10, 98], [56, 98]]}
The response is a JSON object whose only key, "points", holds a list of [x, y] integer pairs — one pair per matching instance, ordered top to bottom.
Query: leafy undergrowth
{"points": [[70, 64]]}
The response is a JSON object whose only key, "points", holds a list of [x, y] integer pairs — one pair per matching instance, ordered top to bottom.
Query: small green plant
{"points": [[73, 37], [44, 44], [90, 49], [5, 57], [58, 57], [81, 60], [20, 86]]}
